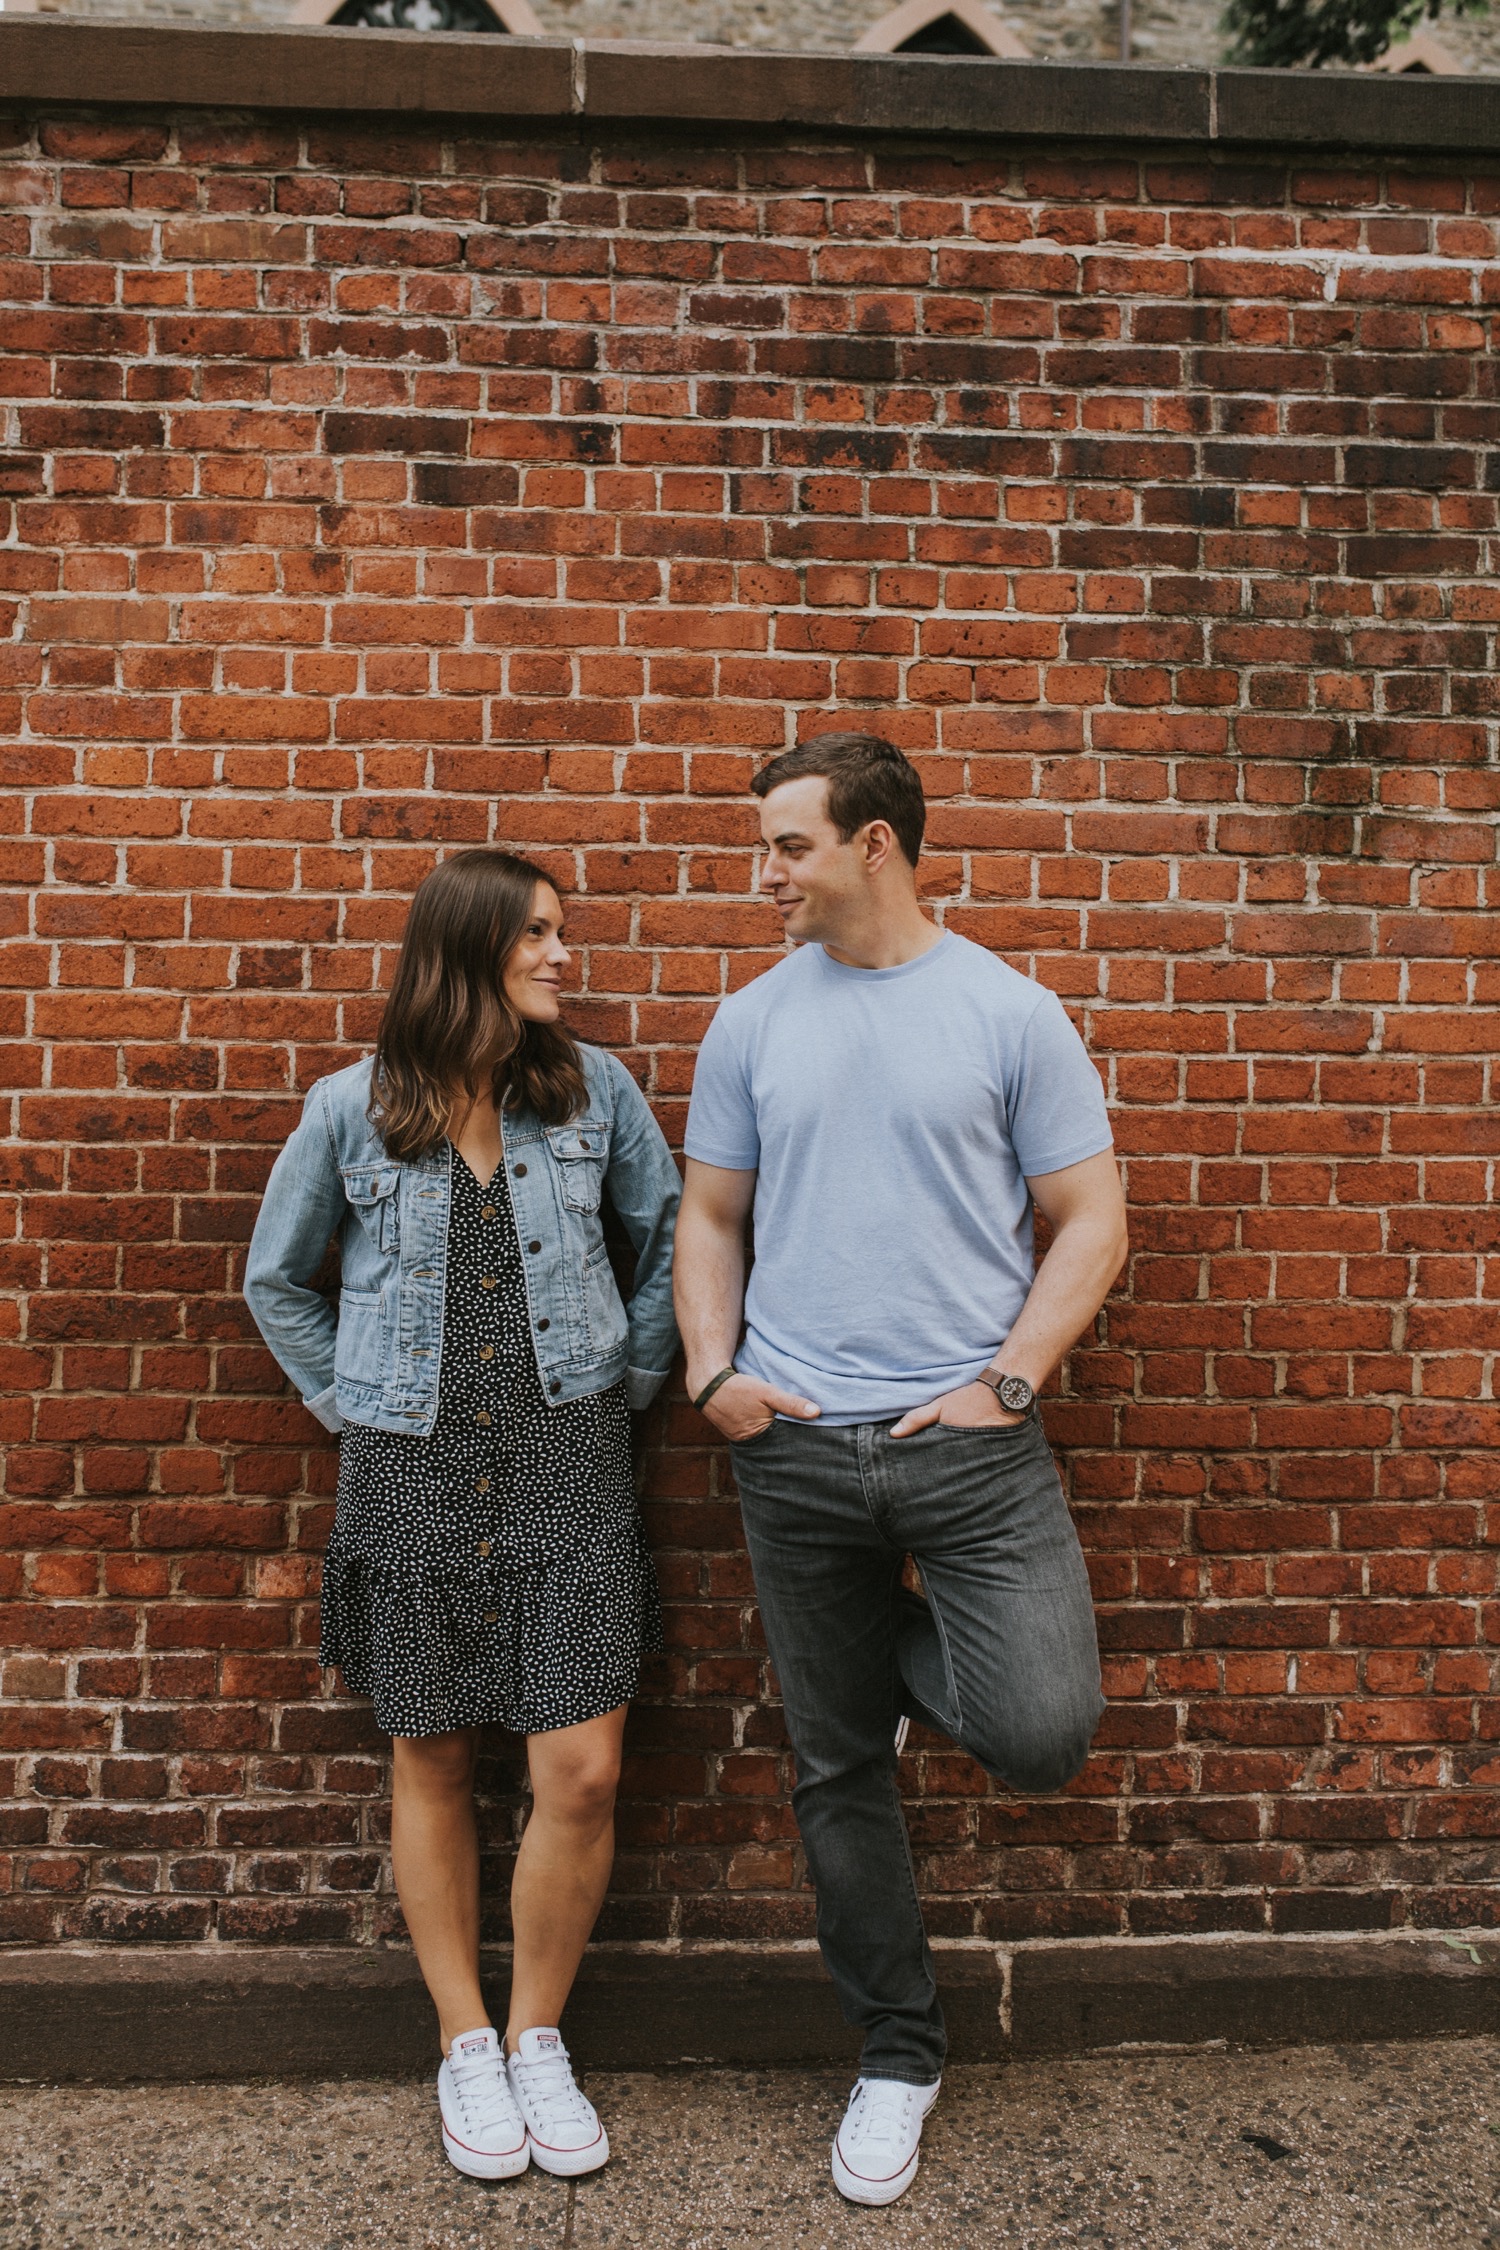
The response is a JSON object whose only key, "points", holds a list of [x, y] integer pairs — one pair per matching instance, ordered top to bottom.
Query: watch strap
{"points": [[992, 1379]]}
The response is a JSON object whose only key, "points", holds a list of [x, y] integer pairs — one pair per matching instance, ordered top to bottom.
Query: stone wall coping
{"points": [[79, 62], [169, 2013]]}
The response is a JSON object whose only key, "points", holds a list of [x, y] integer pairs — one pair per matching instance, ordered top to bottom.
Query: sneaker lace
{"points": [[552, 2090], [483, 2094], [879, 2114]]}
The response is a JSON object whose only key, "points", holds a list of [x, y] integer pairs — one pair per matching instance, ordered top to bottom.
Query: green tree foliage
{"points": [[1305, 34]]}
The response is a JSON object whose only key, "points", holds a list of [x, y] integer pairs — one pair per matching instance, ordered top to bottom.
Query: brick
{"points": [[458, 550]]}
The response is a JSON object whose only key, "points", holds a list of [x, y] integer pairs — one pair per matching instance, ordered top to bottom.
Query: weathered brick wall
{"points": [[374, 494]]}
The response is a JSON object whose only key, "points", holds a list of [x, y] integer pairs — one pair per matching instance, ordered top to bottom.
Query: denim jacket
{"points": [[379, 1360]]}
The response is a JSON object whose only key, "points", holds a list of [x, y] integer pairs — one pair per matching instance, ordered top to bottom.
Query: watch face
{"points": [[1015, 1394]]}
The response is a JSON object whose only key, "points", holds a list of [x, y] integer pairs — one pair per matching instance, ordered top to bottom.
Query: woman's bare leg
{"points": [[435, 1857], [563, 1867]]}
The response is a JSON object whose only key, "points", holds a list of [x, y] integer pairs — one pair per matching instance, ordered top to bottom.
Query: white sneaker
{"points": [[563, 2129], [483, 2131], [876, 2149]]}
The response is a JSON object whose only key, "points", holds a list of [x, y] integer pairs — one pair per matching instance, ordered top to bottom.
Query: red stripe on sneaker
{"points": [[450, 2135], [555, 2148], [876, 2179]]}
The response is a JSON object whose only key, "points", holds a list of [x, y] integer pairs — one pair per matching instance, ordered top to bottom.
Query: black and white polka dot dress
{"points": [[496, 1570]]}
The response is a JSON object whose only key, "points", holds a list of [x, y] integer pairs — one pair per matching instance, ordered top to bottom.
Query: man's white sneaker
{"points": [[484, 2132], [565, 2133], [876, 2149]]}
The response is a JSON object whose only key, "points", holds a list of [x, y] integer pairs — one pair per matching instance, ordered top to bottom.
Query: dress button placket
{"points": [[486, 1369]]}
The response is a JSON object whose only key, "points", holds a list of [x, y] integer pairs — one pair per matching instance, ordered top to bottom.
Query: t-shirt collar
{"points": [[885, 976]]}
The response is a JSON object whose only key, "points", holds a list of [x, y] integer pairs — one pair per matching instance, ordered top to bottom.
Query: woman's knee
{"points": [[436, 1761], [578, 1789], [581, 1801]]}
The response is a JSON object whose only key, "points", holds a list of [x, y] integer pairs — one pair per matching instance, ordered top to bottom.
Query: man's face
{"points": [[816, 879]]}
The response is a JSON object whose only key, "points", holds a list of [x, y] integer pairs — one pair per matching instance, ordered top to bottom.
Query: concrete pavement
{"points": [[1350, 2148]]}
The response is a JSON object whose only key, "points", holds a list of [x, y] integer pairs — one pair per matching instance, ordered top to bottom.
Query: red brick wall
{"points": [[371, 495]]}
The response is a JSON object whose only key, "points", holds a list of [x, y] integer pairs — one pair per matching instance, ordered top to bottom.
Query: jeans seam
{"points": [[864, 1486], [891, 1599], [892, 1610], [949, 1674], [912, 1891]]}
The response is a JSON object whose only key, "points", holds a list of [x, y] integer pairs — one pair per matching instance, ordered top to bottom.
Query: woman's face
{"points": [[534, 966]]}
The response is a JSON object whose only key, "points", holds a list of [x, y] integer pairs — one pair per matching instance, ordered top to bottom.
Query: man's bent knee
{"points": [[1037, 1764]]}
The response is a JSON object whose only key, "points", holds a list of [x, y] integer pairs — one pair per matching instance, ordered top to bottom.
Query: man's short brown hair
{"points": [[868, 779]]}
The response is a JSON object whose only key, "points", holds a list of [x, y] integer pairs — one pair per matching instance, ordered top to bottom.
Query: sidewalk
{"points": [[1389, 2146]]}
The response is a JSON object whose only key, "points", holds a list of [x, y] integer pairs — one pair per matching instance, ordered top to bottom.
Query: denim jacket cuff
{"points": [[642, 1385], [325, 1409]]}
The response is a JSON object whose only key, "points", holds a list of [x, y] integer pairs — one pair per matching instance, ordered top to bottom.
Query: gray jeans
{"points": [[1001, 1657]]}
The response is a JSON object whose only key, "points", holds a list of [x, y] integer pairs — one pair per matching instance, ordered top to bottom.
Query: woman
{"points": [[487, 1563]]}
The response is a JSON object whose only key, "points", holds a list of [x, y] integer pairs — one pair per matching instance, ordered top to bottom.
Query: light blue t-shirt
{"points": [[892, 1117]]}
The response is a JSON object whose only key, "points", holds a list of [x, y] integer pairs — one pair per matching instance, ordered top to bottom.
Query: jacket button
{"points": [[520, 1171], [487, 1211], [533, 1247], [487, 1281], [544, 1324], [486, 1351], [555, 1385], [482, 1418], [483, 1485], [484, 1547], [492, 1617]]}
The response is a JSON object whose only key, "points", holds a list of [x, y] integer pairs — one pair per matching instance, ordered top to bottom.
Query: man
{"points": [[893, 1100]]}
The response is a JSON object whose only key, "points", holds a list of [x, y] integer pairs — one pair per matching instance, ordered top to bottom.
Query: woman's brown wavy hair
{"points": [[448, 1022]]}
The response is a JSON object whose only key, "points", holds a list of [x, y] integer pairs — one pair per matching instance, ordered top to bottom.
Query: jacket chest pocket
{"points": [[579, 1152], [370, 1189]]}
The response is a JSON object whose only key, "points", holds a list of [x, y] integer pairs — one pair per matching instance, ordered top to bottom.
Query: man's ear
{"points": [[879, 842]]}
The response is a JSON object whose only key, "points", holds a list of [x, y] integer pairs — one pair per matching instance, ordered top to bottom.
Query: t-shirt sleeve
{"points": [[1057, 1112], [721, 1127]]}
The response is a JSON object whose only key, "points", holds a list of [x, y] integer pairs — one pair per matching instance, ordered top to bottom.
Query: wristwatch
{"points": [[1013, 1391]]}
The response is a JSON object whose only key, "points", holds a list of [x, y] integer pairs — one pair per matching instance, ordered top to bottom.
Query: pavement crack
{"points": [[567, 2240]]}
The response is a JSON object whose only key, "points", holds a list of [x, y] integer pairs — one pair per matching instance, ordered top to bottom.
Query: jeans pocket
{"points": [[579, 1155], [373, 1191], [608, 1323], [360, 1353], [988, 1431], [757, 1437]]}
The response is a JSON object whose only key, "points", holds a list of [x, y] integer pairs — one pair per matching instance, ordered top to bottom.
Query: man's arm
{"points": [[1085, 1205], [709, 1288]]}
